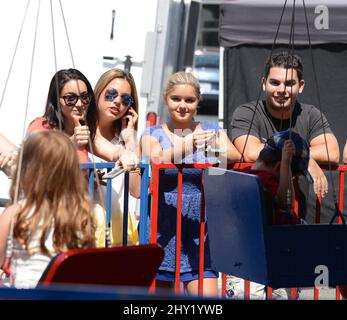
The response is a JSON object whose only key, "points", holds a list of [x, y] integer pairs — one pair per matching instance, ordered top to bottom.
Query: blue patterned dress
{"points": [[191, 204]]}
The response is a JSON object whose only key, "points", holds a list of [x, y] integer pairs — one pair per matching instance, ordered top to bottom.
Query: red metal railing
{"points": [[342, 168], [154, 218]]}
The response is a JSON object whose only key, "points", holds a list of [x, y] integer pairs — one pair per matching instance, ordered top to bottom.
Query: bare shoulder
{"points": [[10, 211]]}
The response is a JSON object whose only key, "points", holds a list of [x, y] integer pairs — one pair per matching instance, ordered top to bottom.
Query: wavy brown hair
{"points": [[55, 193]]}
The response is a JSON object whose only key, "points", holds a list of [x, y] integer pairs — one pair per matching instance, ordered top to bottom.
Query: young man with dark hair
{"points": [[282, 83]]}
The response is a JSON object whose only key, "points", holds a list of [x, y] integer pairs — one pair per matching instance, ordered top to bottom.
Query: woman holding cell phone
{"points": [[117, 105], [115, 140]]}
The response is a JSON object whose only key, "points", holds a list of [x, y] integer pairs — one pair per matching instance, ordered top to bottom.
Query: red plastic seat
{"points": [[116, 266]]}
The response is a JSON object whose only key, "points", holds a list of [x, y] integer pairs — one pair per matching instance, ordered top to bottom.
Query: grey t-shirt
{"points": [[306, 121]]}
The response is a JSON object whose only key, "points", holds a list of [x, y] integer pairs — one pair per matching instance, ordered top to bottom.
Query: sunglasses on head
{"points": [[112, 94], [71, 99]]}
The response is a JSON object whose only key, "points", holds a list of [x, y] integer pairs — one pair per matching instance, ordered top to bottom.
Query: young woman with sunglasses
{"points": [[117, 103], [70, 107], [115, 140], [184, 140]]}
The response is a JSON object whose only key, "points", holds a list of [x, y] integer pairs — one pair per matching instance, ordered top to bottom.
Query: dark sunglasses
{"points": [[112, 94], [71, 99]]}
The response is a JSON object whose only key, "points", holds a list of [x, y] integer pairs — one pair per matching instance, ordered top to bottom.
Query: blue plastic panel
{"points": [[235, 223], [281, 256]]}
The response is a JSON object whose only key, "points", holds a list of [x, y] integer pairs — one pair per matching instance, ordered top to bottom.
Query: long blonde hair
{"points": [[106, 78], [55, 193]]}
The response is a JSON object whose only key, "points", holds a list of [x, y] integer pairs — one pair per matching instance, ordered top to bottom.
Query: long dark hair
{"points": [[53, 112]]}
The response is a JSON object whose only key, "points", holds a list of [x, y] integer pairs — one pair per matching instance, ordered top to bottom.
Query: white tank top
{"points": [[27, 269]]}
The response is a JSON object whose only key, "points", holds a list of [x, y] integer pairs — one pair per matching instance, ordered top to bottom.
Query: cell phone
{"points": [[127, 114]]}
